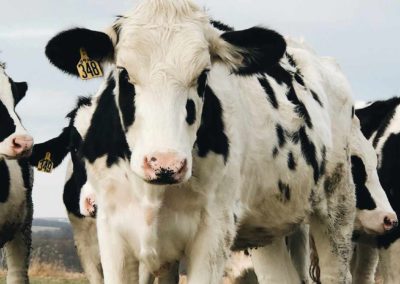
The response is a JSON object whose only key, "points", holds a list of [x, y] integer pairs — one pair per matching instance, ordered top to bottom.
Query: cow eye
{"points": [[190, 112]]}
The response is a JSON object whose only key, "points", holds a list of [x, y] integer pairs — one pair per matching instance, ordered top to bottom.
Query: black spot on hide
{"points": [[105, 135], [211, 135], [4, 181], [363, 196]]}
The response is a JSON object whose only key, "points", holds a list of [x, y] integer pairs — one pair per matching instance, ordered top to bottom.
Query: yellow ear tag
{"points": [[87, 68], [46, 164]]}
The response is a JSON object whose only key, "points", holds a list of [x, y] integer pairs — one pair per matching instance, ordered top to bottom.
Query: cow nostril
{"points": [[15, 144], [153, 159], [183, 166], [388, 222], [395, 224]]}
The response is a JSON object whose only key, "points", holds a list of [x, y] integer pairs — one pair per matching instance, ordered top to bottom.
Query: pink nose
{"points": [[22, 145], [164, 168], [390, 221]]}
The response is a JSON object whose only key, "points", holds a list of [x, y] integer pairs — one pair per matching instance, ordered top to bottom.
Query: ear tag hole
{"points": [[87, 68], [46, 165]]}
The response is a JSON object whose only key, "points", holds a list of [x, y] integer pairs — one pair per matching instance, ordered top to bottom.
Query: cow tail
{"points": [[315, 272]]}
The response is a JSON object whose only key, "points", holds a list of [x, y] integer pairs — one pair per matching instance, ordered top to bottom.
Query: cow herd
{"points": [[202, 141]]}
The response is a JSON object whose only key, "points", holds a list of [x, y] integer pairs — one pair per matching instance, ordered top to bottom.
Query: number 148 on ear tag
{"points": [[87, 68]]}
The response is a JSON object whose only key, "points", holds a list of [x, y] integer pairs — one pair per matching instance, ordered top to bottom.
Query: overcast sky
{"points": [[362, 34]]}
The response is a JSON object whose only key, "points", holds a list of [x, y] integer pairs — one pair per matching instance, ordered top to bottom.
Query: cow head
{"points": [[164, 52], [15, 142], [374, 212]]}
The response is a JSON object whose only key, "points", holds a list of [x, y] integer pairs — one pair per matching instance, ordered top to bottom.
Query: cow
{"points": [[379, 123], [204, 139], [16, 179], [78, 196], [375, 215], [84, 229]]}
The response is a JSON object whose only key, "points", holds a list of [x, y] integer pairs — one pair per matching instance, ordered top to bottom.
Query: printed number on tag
{"points": [[87, 68], [46, 164]]}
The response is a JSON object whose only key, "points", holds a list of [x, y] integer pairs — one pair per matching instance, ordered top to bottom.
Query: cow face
{"points": [[164, 51], [14, 139], [374, 213]]}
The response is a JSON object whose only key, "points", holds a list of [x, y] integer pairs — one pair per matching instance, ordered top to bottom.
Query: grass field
{"points": [[44, 273], [49, 280]]}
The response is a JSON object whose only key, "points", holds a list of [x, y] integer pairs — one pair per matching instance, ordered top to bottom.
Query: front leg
{"points": [[87, 246], [299, 248], [210, 249], [17, 253], [118, 266], [365, 266]]}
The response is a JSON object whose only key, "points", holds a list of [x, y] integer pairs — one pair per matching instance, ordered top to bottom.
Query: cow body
{"points": [[265, 150], [16, 179]]}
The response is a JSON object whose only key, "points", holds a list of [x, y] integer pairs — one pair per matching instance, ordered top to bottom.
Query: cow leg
{"points": [[85, 236], [299, 248], [334, 248], [210, 249], [17, 253], [272, 264], [365, 264], [389, 264], [117, 267], [145, 277]]}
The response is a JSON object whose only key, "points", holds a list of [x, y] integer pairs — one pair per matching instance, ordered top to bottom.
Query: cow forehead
{"points": [[163, 39], [178, 53]]}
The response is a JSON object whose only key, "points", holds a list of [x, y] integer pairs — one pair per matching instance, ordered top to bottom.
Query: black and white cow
{"points": [[380, 123], [196, 128], [15, 181], [78, 196], [374, 216], [84, 229]]}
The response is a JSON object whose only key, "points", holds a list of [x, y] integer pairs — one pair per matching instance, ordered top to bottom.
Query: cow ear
{"points": [[63, 50], [250, 51], [19, 90], [58, 148]]}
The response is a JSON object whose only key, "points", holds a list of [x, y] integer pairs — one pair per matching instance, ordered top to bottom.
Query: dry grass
{"points": [[40, 269], [46, 273]]}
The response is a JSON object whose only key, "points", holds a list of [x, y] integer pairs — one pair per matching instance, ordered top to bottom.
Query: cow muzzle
{"points": [[21, 146], [164, 168], [377, 222]]}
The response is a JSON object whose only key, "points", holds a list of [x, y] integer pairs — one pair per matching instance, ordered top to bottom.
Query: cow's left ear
{"points": [[63, 50], [250, 51], [19, 90]]}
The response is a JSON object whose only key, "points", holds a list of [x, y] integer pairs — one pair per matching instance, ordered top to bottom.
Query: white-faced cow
{"points": [[380, 123], [198, 127], [15, 181], [79, 195], [375, 215], [84, 229]]}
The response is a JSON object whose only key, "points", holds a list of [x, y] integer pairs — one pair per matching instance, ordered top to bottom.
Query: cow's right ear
{"points": [[63, 50]]}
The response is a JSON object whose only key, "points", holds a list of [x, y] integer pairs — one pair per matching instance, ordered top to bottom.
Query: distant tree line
{"points": [[55, 245]]}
